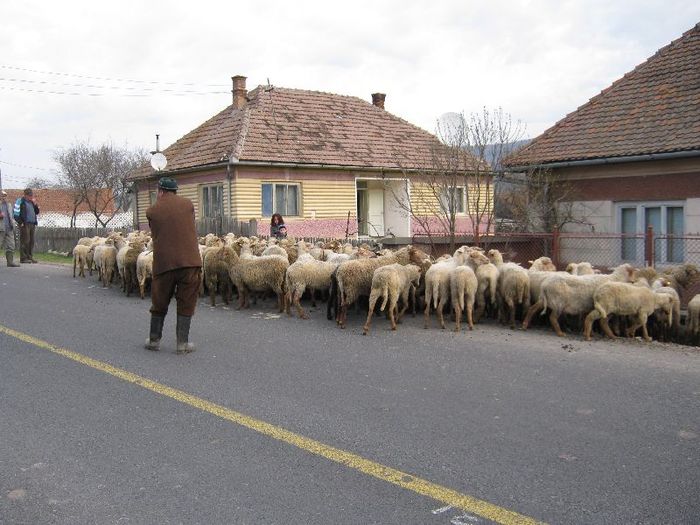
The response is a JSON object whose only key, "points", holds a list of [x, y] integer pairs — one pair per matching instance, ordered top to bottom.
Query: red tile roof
{"points": [[655, 108], [307, 127], [55, 200]]}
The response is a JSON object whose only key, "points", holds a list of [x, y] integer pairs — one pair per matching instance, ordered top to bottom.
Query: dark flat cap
{"points": [[166, 183]]}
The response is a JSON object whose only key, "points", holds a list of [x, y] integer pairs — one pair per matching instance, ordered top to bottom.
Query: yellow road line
{"points": [[353, 461]]}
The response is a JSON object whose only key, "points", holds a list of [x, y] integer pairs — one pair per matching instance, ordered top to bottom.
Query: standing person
{"points": [[28, 212], [277, 222], [7, 230], [177, 264]]}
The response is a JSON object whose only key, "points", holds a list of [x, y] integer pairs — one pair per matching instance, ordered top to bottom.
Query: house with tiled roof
{"points": [[632, 153], [330, 164]]}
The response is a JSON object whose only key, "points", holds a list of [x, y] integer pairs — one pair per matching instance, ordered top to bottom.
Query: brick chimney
{"points": [[240, 95], [378, 99]]}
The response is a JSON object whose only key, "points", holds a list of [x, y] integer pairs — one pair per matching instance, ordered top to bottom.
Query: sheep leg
{"points": [[74, 263], [142, 288], [212, 293], [296, 298], [372, 301], [405, 304], [441, 305], [511, 306], [480, 307], [392, 312], [531, 312], [426, 313], [343, 315], [458, 315], [470, 317], [554, 321], [643, 321], [588, 323], [606, 327]]}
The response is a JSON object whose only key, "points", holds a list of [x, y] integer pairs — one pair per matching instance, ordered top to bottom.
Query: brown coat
{"points": [[171, 220]]}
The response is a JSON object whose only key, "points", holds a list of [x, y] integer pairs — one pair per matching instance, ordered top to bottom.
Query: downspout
{"points": [[232, 161], [228, 178], [136, 206]]}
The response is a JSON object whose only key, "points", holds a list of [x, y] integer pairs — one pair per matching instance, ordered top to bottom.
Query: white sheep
{"points": [[80, 258], [144, 268], [306, 272], [258, 274], [487, 277], [354, 278], [391, 283], [437, 284], [663, 285], [513, 287], [463, 288], [573, 294], [622, 298], [694, 317]]}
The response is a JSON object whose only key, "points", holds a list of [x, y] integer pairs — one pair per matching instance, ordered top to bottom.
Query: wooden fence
{"points": [[223, 225], [63, 240]]}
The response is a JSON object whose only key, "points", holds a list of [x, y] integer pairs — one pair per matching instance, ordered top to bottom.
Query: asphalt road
{"points": [[525, 423]]}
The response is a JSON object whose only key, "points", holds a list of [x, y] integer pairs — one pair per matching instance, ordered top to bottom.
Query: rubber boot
{"points": [[10, 255], [182, 331], [156, 333]]}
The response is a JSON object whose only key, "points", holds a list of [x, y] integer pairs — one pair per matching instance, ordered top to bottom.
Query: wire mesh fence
{"points": [[85, 220], [603, 251]]}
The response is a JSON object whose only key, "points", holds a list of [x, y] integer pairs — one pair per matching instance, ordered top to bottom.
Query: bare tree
{"points": [[98, 176], [459, 180], [40, 183], [537, 201]]}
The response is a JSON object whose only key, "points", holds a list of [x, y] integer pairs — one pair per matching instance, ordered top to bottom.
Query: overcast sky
{"points": [[64, 65]]}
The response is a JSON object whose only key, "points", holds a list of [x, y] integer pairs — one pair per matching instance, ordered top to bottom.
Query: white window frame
{"points": [[274, 185], [640, 206], [202, 207], [462, 207]]}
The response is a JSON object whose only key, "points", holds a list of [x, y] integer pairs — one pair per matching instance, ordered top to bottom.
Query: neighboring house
{"points": [[632, 153], [330, 164], [58, 206]]}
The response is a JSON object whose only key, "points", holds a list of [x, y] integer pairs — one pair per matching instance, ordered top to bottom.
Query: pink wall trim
{"points": [[463, 226], [312, 228]]}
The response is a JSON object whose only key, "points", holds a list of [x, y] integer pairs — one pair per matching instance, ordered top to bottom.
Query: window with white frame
{"points": [[280, 198], [455, 199], [212, 200], [668, 222]]}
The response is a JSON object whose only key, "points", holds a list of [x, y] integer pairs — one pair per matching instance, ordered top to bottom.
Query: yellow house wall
{"points": [[192, 191], [320, 198], [424, 202]]}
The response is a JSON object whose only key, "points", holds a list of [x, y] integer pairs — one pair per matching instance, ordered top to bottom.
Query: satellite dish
{"points": [[158, 161]]}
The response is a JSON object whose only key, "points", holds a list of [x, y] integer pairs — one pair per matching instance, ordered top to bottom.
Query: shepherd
{"points": [[177, 264]]}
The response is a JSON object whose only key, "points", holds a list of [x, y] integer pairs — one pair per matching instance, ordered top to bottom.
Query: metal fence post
{"points": [[649, 246], [555, 247]]}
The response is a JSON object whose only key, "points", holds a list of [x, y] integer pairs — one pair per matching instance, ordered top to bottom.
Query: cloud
{"points": [[537, 59]]}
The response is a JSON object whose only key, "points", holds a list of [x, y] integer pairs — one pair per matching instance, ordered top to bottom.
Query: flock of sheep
{"points": [[473, 283]]}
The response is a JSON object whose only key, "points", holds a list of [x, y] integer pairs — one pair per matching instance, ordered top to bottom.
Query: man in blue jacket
{"points": [[28, 212]]}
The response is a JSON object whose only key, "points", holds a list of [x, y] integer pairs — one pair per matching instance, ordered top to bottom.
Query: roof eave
{"points": [[608, 160]]}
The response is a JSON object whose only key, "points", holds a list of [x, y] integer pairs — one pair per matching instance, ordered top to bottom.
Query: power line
{"points": [[109, 78], [129, 88], [83, 94], [23, 166]]}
